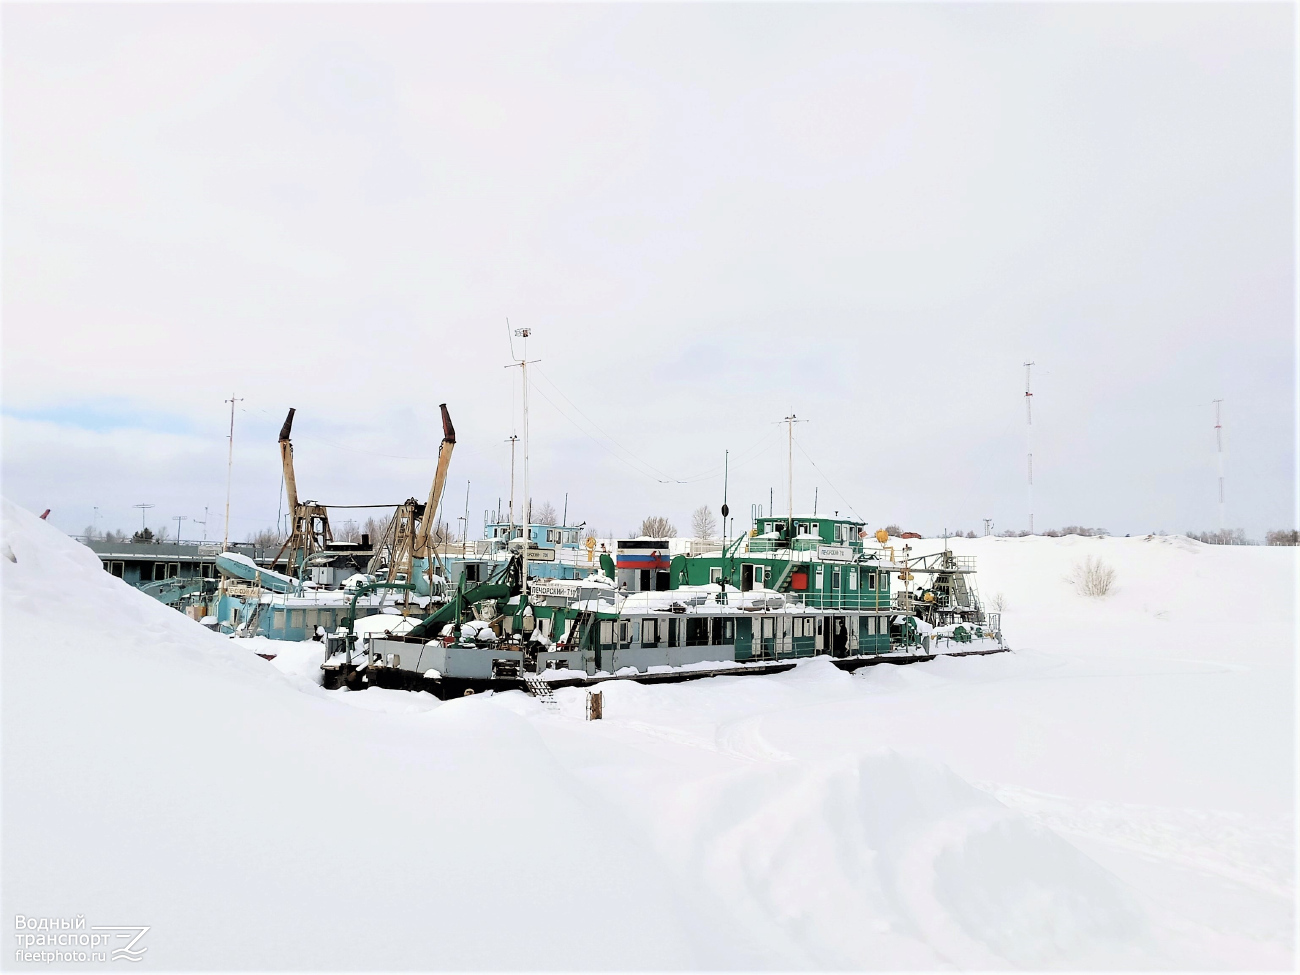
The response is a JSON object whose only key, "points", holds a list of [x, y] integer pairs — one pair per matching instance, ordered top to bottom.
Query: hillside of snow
{"points": [[1117, 793]]}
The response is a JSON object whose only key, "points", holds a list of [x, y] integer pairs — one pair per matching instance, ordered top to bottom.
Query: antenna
{"points": [[522, 363], [789, 421], [1218, 440], [1029, 441], [230, 461], [143, 508], [179, 519], [464, 538]]}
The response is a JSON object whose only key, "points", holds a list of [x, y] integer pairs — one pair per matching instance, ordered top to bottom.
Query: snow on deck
{"points": [[1117, 793]]}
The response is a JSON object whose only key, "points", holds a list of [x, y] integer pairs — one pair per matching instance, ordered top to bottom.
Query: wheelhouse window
{"points": [[715, 574], [606, 632], [624, 633], [649, 633]]}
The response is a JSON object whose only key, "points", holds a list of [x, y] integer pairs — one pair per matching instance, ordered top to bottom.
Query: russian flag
{"points": [[630, 560]]}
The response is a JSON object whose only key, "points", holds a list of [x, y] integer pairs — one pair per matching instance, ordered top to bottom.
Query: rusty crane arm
{"points": [[428, 522]]}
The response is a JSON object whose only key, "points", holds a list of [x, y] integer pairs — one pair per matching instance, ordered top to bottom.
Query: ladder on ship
{"points": [[541, 690]]}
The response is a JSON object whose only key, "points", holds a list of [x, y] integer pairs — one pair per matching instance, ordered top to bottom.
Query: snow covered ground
{"points": [[1116, 793]]}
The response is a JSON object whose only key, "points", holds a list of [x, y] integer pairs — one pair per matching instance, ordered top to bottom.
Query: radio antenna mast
{"points": [[523, 363], [1029, 441], [1218, 441], [230, 463]]}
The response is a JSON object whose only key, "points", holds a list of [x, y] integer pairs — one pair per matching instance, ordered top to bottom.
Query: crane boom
{"points": [[286, 460], [421, 547]]}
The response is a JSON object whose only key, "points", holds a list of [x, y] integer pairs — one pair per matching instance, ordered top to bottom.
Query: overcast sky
{"points": [[710, 216]]}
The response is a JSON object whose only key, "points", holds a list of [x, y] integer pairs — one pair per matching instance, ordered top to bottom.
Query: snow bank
{"points": [[156, 774], [1114, 794]]}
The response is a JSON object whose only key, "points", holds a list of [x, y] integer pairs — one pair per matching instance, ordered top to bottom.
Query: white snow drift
{"points": [[1117, 793]]}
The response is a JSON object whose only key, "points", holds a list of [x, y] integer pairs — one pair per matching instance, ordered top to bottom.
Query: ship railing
{"points": [[801, 546], [850, 601]]}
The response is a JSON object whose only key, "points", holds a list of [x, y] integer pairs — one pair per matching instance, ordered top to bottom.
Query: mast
{"points": [[523, 366], [790, 421], [512, 439], [1218, 440], [1029, 441], [230, 461], [528, 513]]}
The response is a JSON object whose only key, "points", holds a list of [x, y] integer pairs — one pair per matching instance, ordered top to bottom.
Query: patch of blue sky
{"points": [[105, 415]]}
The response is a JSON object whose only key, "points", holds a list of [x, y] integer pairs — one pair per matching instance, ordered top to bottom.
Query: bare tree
{"points": [[544, 514], [703, 525], [657, 526], [375, 528], [894, 530], [346, 531], [1225, 536], [1284, 536], [115, 537], [267, 538], [1092, 577], [999, 603]]}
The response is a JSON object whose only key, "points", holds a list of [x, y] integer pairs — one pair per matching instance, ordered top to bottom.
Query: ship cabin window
{"points": [[817, 528], [552, 535], [173, 570], [206, 570], [471, 572], [715, 574], [758, 576], [821, 577], [835, 578], [853, 578], [872, 579], [277, 621], [697, 631], [724, 631], [606, 632], [624, 633], [649, 633], [675, 633]]}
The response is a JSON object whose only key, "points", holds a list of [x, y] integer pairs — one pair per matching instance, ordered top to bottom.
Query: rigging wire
{"points": [[626, 463], [666, 477], [828, 481]]}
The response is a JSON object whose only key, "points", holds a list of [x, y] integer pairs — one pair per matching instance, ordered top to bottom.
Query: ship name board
{"points": [[835, 553]]}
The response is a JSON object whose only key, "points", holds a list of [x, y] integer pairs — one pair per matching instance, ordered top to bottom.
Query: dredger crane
{"points": [[310, 522], [409, 535]]}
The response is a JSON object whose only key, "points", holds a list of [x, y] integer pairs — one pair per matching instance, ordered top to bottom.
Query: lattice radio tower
{"points": [[1218, 441], [1029, 442]]}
